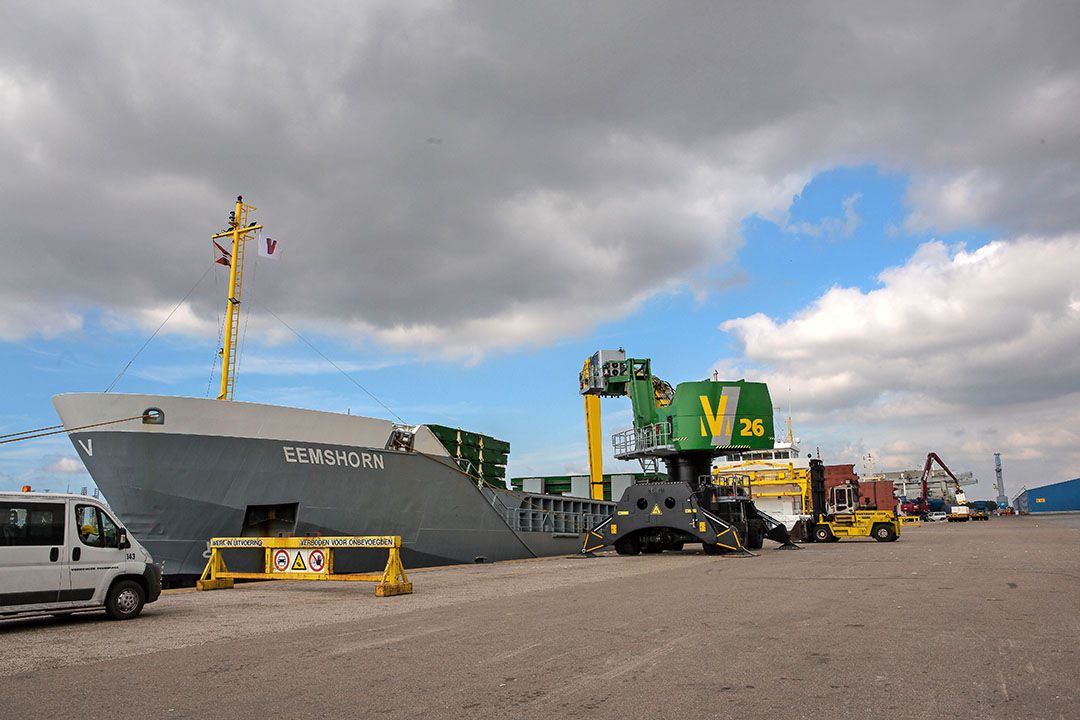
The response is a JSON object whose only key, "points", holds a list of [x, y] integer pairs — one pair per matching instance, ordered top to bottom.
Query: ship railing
{"points": [[497, 503], [551, 521]]}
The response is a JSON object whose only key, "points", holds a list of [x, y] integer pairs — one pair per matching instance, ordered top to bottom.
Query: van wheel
{"points": [[125, 600]]}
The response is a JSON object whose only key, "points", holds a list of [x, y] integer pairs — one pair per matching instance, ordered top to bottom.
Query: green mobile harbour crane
{"points": [[685, 428]]}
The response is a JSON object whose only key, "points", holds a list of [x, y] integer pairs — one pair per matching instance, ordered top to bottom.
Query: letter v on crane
{"points": [[715, 421]]}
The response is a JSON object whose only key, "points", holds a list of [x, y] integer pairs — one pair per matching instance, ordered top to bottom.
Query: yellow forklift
{"points": [[841, 516]]}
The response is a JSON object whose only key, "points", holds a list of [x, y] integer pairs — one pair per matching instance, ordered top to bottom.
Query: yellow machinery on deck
{"points": [[772, 480]]}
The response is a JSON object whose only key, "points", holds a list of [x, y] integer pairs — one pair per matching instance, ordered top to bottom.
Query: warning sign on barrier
{"points": [[299, 561]]}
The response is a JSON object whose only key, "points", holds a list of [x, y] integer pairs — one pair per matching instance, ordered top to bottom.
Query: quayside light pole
{"points": [[240, 231]]}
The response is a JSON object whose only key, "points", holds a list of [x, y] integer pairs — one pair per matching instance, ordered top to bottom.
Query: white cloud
{"points": [[456, 179], [831, 227], [23, 317], [962, 351], [65, 466]]}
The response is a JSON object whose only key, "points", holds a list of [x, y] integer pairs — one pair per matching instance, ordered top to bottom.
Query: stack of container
{"points": [[481, 456], [878, 494]]}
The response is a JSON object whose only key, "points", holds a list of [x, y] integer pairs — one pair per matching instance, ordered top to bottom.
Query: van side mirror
{"points": [[124, 542]]}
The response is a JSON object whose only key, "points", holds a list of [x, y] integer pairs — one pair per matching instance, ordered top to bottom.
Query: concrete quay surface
{"points": [[974, 620]]}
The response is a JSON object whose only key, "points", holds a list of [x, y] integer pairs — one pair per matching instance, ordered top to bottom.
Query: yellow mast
{"points": [[239, 230], [592, 437]]}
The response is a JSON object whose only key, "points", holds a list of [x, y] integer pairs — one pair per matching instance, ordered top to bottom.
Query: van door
{"points": [[31, 545], [94, 556]]}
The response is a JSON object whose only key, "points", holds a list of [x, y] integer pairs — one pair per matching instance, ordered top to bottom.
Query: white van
{"points": [[66, 553]]}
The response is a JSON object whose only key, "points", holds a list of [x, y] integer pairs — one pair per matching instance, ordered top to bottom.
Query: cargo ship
{"points": [[180, 470], [183, 470]]}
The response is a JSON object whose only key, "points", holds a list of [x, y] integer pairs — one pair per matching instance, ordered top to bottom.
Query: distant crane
{"points": [[999, 484], [923, 505]]}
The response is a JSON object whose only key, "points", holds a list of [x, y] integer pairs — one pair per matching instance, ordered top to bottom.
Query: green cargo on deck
{"points": [[480, 456], [564, 484]]}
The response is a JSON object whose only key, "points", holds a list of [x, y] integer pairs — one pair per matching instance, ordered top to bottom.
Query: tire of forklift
{"points": [[883, 532], [822, 534], [755, 535], [627, 546], [675, 547], [652, 550]]}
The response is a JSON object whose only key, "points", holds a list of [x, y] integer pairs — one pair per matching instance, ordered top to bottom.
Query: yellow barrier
{"points": [[913, 520], [306, 558]]}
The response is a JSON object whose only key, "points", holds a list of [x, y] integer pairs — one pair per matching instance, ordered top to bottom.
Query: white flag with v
{"points": [[269, 248]]}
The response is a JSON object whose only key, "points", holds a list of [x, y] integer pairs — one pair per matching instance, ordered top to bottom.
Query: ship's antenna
{"points": [[239, 231], [790, 434]]}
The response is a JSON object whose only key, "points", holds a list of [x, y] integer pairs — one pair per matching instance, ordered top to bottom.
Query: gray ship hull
{"points": [[217, 469]]}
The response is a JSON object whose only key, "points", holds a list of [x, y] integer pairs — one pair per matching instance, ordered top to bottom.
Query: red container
{"points": [[836, 474], [878, 493], [872, 494]]}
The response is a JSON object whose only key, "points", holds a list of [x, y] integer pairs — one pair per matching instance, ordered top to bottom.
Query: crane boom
{"points": [[931, 458]]}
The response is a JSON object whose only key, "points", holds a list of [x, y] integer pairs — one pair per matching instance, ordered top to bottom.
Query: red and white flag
{"points": [[269, 248], [224, 256]]}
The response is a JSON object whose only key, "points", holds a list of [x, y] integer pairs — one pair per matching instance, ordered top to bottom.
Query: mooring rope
{"points": [[167, 318], [337, 367], [26, 434]]}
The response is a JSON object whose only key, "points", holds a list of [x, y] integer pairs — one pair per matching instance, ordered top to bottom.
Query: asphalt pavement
{"points": [[974, 620]]}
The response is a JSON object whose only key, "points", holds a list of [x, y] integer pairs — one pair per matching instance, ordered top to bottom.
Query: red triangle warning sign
{"points": [[298, 563]]}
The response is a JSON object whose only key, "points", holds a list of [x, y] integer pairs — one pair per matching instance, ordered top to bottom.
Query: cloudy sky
{"points": [[874, 207]]}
